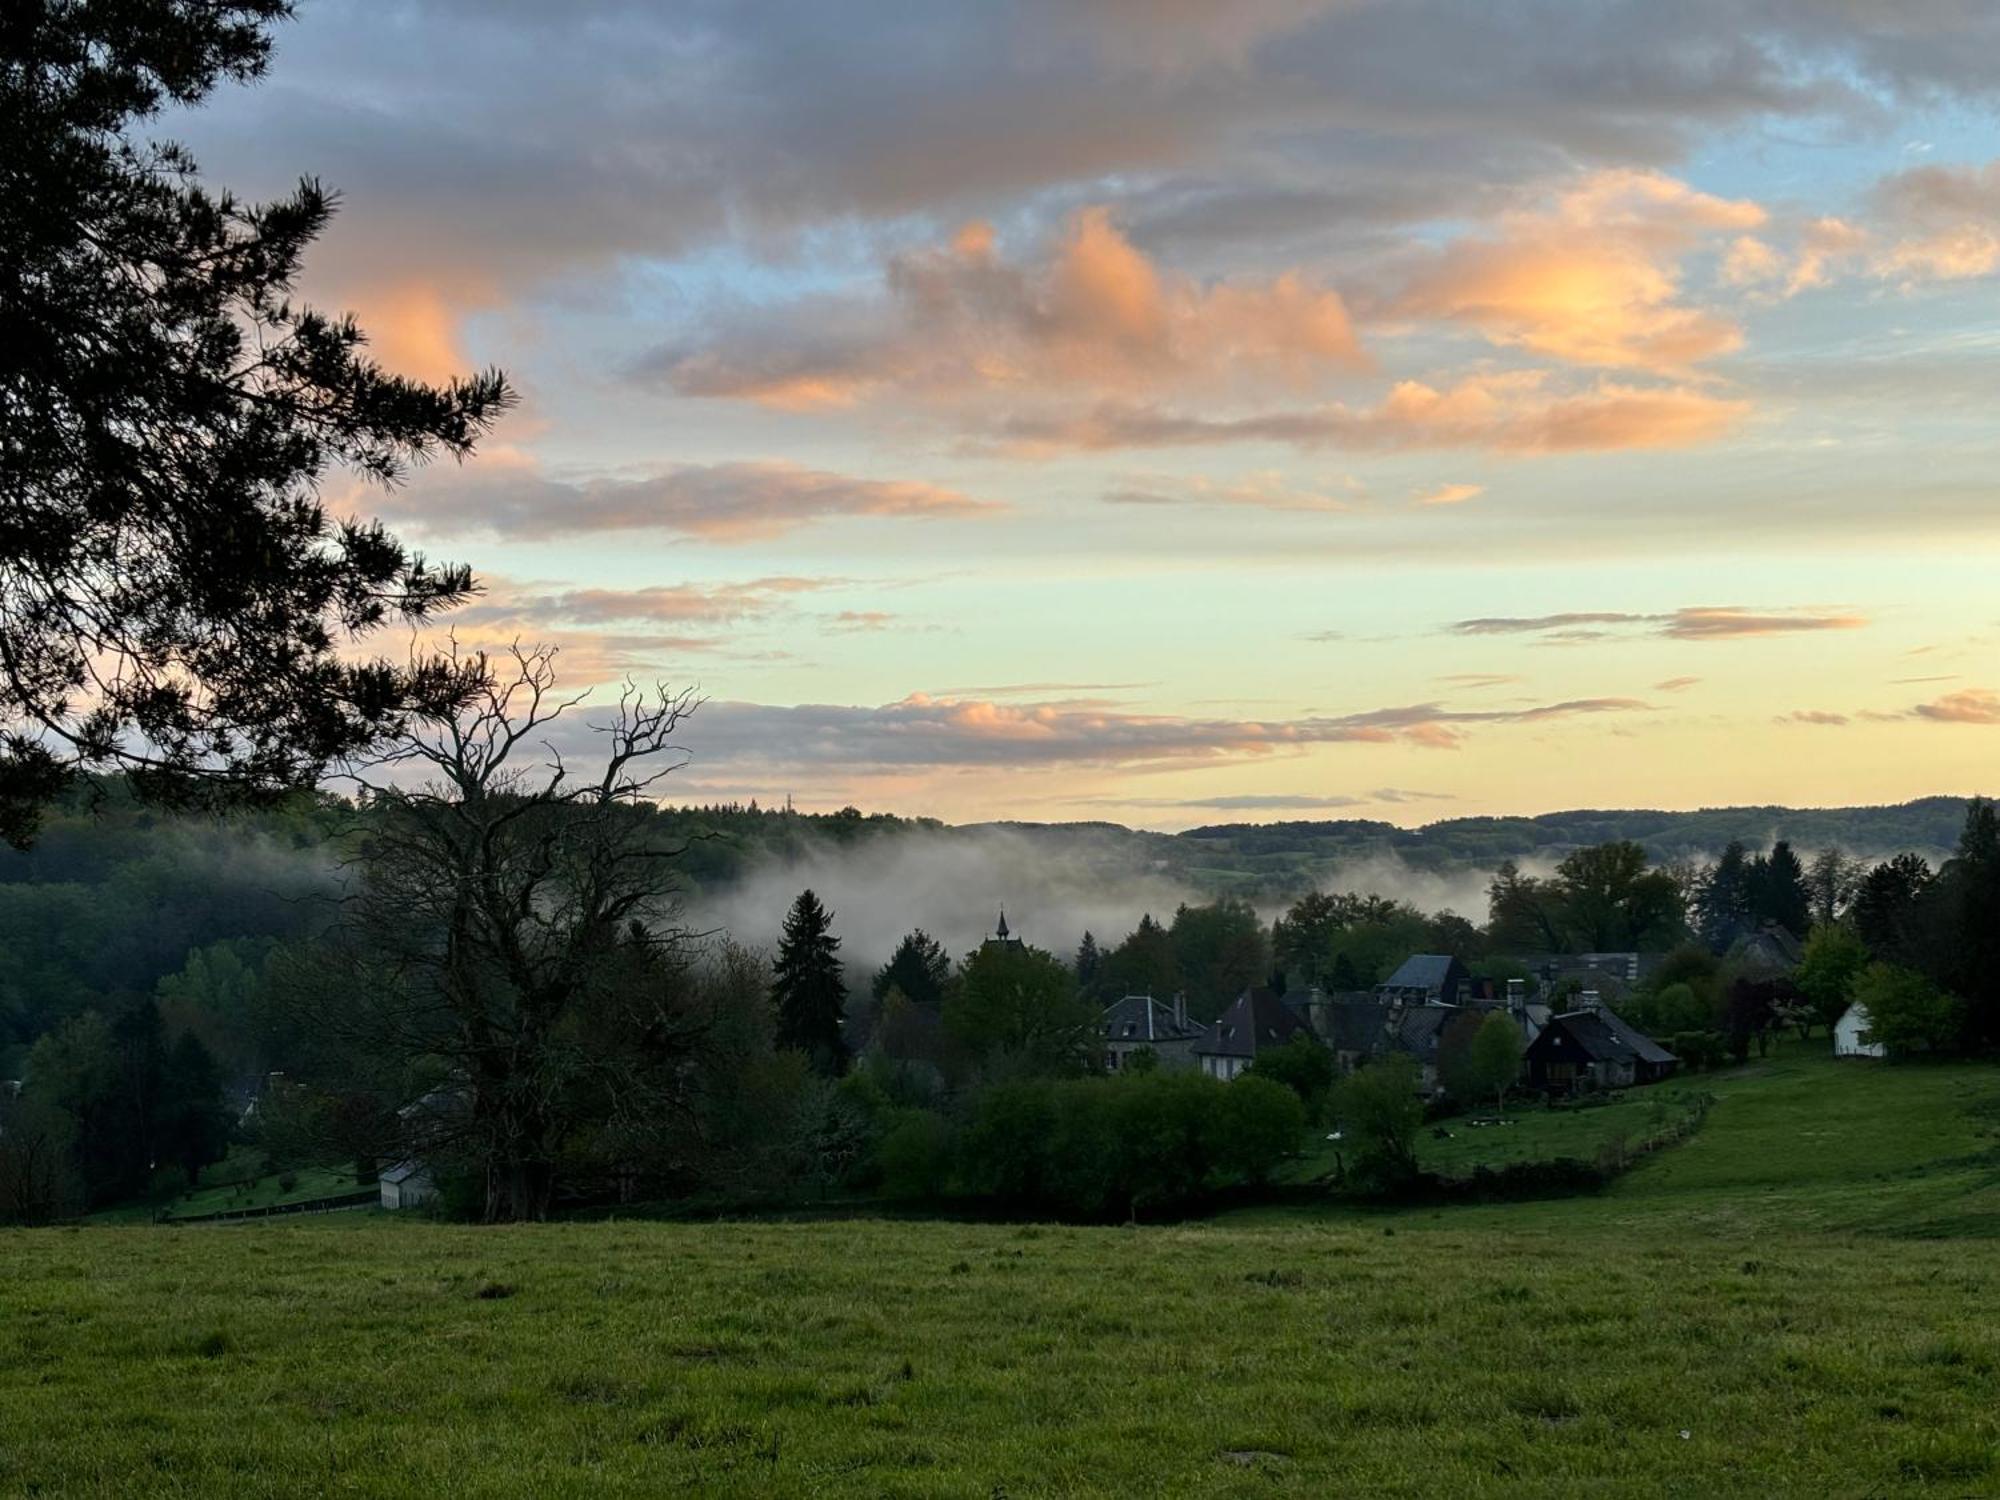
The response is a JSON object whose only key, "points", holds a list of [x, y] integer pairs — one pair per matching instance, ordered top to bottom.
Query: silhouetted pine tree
{"points": [[169, 413], [919, 968], [808, 990]]}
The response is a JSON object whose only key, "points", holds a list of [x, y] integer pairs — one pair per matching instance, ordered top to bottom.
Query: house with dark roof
{"points": [[1427, 979], [1140, 1022], [1257, 1022], [1351, 1024], [1418, 1030], [1593, 1046]]}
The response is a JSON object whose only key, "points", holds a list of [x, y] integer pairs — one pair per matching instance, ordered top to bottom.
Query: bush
{"points": [[1906, 1012], [1380, 1112], [1256, 1125], [1104, 1148], [913, 1156]]}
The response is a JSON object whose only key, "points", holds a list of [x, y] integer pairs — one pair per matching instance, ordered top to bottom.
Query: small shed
{"points": [[1852, 1036], [408, 1184]]}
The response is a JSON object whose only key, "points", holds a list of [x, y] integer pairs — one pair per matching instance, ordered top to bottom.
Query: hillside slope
{"points": [[1797, 1302]]}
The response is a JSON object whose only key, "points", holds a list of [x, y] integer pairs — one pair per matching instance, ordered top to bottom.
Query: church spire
{"points": [[1001, 931]]}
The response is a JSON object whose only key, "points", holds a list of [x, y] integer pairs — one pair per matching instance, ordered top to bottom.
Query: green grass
{"points": [[1531, 1133], [260, 1192], [1798, 1301]]}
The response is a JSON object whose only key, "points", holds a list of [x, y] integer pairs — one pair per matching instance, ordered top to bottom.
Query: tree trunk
{"points": [[518, 1190]]}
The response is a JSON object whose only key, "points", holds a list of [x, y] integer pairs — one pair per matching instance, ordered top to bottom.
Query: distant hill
{"points": [[1274, 859]]}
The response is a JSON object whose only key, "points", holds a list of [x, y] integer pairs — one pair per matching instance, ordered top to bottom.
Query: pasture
{"points": [[1804, 1299]]}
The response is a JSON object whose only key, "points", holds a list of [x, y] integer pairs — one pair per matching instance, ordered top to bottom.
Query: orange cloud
{"points": [[1594, 279], [1094, 314], [413, 327], [1452, 494], [1971, 706]]}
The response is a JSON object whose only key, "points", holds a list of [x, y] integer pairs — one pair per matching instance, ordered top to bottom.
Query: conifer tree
{"points": [[175, 601], [1088, 962], [919, 968], [808, 989]]}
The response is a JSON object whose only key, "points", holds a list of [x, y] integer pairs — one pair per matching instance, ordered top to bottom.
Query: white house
{"points": [[1851, 1036], [408, 1184]]}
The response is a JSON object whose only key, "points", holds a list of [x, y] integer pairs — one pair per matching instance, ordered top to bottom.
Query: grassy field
{"points": [[1530, 1132], [223, 1197], [1801, 1300]]}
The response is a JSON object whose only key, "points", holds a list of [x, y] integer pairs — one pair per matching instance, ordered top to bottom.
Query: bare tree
{"points": [[511, 929]]}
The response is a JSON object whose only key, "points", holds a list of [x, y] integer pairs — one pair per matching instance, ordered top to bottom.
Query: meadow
{"points": [[1800, 1300]]}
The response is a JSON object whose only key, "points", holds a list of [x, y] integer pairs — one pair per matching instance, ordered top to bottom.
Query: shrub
{"points": [[1906, 1012], [1256, 1125], [913, 1156]]}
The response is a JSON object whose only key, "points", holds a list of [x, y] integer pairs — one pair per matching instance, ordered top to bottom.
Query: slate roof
{"points": [[1422, 971], [1141, 1018], [1257, 1020], [1356, 1024], [1419, 1027], [1607, 1037], [1643, 1047]]}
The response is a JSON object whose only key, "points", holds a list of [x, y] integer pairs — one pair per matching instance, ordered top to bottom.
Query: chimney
{"points": [[1180, 1009]]}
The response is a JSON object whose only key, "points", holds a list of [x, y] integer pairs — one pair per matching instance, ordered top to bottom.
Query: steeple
{"points": [[1001, 931]]}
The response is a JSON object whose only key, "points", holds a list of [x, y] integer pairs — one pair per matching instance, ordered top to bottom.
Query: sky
{"points": [[1169, 413]]}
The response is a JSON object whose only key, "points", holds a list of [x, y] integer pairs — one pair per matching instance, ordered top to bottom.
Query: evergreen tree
{"points": [[169, 413], [1780, 893], [1722, 904], [1885, 906], [1964, 935], [1088, 962], [1143, 964], [919, 968], [808, 990]]}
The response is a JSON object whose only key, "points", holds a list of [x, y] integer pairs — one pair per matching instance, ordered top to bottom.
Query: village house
{"points": [[1427, 979], [1257, 1022], [1141, 1023], [1418, 1030], [1852, 1036], [1593, 1047]]}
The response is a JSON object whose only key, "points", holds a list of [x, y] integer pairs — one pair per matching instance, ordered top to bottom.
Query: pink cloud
{"points": [[1508, 413], [510, 496], [922, 730]]}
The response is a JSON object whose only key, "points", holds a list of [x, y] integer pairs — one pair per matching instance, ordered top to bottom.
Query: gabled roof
{"points": [[1424, 971], [1141, 1018], [1258, 1019], [1356, 1024], [1419, 1027], [1604, 1036], [1643, 1047]]}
